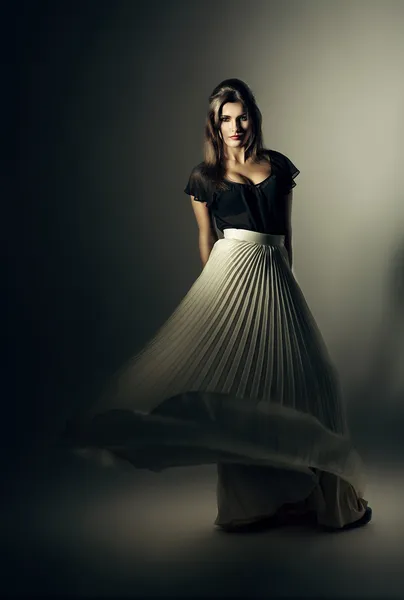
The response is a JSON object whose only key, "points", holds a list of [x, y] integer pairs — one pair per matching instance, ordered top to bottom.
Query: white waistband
{"points": [[246, 235]]}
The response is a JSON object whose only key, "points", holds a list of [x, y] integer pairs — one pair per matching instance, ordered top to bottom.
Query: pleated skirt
{"points": [[239, 375]]}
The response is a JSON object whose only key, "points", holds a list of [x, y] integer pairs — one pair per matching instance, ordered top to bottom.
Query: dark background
{"points": [[74, 158]]}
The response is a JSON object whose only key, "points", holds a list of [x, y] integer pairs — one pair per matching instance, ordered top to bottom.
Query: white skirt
{"points": [[239, 375]]}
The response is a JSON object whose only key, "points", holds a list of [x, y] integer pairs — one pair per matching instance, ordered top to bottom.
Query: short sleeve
{"points": [[290, 173], [197, 186]]}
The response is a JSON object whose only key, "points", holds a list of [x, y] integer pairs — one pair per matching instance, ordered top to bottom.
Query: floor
{"points": [[75, 529]]}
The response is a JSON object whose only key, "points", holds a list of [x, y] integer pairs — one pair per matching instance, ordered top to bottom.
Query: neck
{"points": [[235, 155]]}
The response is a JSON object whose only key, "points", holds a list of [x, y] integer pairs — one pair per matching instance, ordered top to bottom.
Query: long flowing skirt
{"points": [[240, 376]]}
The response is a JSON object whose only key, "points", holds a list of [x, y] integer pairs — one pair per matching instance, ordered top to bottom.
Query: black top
{"points": [[258, 207]]}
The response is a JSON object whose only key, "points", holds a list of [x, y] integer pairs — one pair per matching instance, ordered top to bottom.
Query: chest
{"points": [[251, 173], [240, 199]]}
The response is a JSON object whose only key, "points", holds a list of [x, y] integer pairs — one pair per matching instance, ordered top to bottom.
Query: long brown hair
{"points": [[230, 90]]}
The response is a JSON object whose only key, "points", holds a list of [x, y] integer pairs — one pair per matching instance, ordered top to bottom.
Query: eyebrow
{"points": [[242, 114]]}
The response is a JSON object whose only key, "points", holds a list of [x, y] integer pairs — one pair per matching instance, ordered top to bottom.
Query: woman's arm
{"points": [[288, 220], [207, 231]]}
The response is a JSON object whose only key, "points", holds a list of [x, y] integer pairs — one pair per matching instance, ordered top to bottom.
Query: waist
{"points": [[270, 239]]}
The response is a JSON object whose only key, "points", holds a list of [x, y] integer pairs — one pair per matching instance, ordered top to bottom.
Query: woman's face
{"points": [[234, 122]]}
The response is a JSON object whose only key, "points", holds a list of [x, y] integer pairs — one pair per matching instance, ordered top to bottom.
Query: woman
{"points": [[239, 374]]}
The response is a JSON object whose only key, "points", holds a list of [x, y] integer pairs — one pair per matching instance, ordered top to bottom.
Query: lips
{"points": [[235, 137]]}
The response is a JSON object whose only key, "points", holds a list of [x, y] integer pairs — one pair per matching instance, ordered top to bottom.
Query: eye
{"points": [[243, 117]]}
